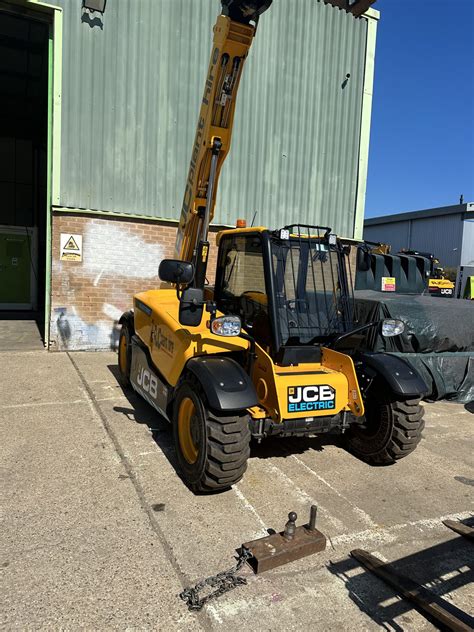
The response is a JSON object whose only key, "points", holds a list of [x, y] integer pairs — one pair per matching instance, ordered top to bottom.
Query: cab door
{"points": [[240, 284]]}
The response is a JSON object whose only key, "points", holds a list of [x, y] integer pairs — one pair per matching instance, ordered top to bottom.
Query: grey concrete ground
{"points": [[19, 335], [99, 532]]}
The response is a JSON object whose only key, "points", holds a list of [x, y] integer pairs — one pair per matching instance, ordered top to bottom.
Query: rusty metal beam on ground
{"points": [[463, 529], [447, 614]]}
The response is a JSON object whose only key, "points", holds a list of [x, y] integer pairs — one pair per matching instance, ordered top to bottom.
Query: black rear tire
{"points": [[125, 355], [392, 430], [213, 454]]}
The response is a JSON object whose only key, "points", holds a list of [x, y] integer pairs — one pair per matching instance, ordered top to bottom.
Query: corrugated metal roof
{"points": [[131, 92], [429, 212]]}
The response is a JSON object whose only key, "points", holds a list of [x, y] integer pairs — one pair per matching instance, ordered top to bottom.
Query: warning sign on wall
{"points": [[71, 247]]}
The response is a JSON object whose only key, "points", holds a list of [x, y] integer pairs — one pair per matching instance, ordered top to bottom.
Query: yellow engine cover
{"points": [[170, 344], [307, 390]]}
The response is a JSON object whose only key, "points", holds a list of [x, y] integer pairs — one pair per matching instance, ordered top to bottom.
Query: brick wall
{"points": [[120, 258]]}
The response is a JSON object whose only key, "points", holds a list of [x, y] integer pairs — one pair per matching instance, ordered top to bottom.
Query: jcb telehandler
{"points": [[272, 348]]}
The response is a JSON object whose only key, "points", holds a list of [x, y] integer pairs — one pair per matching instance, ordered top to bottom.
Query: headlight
{"points": [[226, 326], [392, 327]]}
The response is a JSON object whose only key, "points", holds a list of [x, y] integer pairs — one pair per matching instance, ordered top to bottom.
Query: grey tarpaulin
{"points": [[438, 338]]}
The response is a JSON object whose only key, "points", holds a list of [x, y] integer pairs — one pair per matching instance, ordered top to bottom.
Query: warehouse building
{"points": [[99, 110], [446, 232]]}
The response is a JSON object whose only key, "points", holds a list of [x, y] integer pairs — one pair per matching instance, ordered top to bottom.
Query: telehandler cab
{"points": [[273, 348]]}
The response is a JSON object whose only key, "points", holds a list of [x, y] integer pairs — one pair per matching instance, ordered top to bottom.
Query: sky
{"points": [[422, 137]]}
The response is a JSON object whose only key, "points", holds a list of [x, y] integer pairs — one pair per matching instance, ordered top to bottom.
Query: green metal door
{"points": [[14, 269]]}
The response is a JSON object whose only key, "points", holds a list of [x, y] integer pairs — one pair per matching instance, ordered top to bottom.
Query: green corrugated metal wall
{"points": [[130, 98]]}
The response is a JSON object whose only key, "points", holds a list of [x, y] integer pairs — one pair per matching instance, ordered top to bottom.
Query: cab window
{"points": [[241, 286]]}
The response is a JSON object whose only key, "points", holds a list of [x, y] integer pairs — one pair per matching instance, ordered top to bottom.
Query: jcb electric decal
{"points": [[310, 398]]}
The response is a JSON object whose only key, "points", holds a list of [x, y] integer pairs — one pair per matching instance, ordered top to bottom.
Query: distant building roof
{"points": [[430, 212]]}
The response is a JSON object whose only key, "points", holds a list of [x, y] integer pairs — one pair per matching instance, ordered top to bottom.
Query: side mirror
{"points": [[363, 260], [176, 271], [191, 307]]}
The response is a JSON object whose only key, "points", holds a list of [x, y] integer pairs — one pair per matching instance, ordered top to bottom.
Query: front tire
{"points": [[125, 355], [392, 430], [212, 448]]}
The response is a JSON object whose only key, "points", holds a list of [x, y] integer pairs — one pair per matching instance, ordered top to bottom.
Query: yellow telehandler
{"points": [[272, 348]]}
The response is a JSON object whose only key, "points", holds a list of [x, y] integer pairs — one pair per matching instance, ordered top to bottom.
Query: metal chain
{"points": [[222, 582]]}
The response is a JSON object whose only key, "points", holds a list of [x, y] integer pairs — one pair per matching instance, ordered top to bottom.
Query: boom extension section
{"points": [[233, 36]]}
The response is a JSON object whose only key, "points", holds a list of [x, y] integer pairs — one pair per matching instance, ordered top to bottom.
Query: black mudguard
{"points": [[127, 319], [401, 377], [226, 385]]}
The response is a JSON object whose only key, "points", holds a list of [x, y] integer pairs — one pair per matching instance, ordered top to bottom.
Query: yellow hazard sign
{"points": [[71, 244], [71, 247], [389, 284]]}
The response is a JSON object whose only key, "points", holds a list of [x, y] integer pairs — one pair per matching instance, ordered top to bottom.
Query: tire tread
{"points": [[407, 425], [228, 446]]}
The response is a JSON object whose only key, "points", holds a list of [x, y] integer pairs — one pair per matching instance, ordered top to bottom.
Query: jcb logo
{"points": [[161, 341], [148, 382], [308, 398]]}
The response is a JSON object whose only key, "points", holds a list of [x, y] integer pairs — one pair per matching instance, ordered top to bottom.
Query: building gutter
{"points": [[127, 216]]}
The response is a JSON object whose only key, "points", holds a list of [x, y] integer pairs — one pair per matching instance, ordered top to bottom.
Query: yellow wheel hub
{"points": [[123, 354], [186, 419]]}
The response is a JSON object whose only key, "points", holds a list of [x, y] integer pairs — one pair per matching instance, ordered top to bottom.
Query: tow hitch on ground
{"points": [[291, 544], [262, 555]]}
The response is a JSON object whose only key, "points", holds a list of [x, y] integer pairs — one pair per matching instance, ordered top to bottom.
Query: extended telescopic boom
{"points": [[233, 35]]}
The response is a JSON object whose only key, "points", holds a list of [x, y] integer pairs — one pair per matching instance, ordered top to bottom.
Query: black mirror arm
{"points": [[179, 292], [211, 307], [357, 330], [252, 352]]}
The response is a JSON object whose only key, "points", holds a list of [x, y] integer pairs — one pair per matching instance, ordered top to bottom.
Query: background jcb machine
{"points": [[438, 283], [271, 349]]}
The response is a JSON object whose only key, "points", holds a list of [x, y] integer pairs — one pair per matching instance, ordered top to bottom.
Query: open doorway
{"points": [[23, 173]]}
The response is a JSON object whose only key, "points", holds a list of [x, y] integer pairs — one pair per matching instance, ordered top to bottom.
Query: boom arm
{"points": [[233, 36]]}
